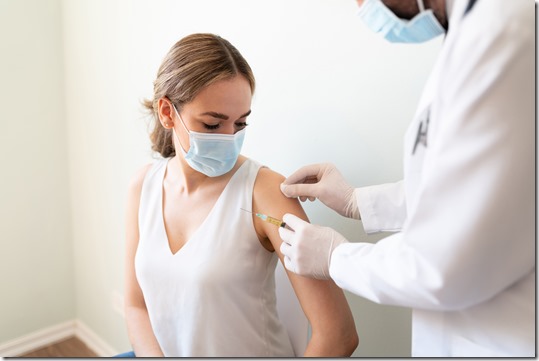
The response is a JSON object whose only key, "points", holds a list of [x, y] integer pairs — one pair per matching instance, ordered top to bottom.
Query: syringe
{"points": [[268, 219]]}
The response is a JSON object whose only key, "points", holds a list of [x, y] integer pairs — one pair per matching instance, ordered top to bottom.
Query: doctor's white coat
{"points": [[464, 254]]}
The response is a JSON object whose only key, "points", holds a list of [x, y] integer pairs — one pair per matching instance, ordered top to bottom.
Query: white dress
{"points": [[215, 297]]}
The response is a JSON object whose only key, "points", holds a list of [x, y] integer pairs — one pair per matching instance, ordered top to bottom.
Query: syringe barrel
{"points": [[274, 221]]}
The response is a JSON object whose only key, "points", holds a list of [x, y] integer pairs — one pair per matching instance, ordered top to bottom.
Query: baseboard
{"points": [[57, 333], [38, 339], [93, 341]]}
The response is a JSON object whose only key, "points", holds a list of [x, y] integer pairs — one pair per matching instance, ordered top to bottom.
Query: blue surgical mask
{"points": [[377, 16], [210, 153]]}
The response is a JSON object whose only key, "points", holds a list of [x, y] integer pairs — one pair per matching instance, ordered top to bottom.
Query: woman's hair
{"points": [[192, 64]]}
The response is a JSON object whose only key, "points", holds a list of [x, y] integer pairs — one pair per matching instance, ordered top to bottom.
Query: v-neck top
{"points": [[215, 297]]}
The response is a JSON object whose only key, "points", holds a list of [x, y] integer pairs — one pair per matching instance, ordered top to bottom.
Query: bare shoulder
{"points": [[269, 178], [135, 184], [267, 186], [134, 191], [267, 195], [268, 199]]}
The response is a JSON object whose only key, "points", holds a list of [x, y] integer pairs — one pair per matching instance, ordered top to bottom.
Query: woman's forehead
{"points": [[229, 97]]}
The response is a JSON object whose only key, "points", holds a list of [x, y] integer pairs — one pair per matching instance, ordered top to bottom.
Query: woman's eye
{"points": [[241, 124], [211, 126]]}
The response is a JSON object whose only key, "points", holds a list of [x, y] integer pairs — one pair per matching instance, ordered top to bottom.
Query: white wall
{"points": [[328, 90], [36, 252]]}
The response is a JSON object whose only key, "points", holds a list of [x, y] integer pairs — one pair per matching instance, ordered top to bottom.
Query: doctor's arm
{"points": [[381, 207], [324, 304], [139, 328]]}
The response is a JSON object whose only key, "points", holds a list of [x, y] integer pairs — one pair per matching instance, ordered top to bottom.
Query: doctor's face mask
{"points": [[380, 19], [210, 153]]}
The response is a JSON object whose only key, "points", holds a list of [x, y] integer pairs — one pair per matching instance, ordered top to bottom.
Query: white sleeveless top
{"points": [[216, 295]]}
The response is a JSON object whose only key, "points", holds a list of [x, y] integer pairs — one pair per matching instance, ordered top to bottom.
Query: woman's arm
{"points": [[324, 304], [139, 328]]}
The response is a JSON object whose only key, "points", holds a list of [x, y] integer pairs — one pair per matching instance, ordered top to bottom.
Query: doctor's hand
{"points": [[325, 182], [307, 248]]}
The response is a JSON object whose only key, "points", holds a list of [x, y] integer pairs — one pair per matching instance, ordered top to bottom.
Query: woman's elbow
{"points": [[349, 336], [346, 339], [350, 342], [340, 343]]}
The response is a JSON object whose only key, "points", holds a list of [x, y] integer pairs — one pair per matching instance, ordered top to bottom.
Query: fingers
{"points": [[304, 174], [304, 183], [303, 191], [303, 199], [294, 222], [286, 234], [286, 248], [289, 265]]}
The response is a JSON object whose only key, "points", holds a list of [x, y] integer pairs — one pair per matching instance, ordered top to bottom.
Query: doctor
{"points": [[463, 252]]}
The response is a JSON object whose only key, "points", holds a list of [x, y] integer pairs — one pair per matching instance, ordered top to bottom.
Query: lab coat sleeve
{"points": [[382, 207], [470, 231]]}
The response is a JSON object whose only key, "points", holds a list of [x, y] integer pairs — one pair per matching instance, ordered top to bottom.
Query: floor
{"points": [[72, 347]]}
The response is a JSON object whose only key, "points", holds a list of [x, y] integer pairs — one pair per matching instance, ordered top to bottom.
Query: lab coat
{"points": [[463, 255]]}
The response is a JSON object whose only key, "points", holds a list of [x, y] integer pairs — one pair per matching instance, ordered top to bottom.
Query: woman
{"points": [[200, 271]]}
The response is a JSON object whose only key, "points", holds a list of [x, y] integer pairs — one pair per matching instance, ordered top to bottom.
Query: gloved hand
{"points": [[325, 182], [307, 248]]}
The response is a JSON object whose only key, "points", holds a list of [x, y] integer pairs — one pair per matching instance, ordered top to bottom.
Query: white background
{"points": [[73, 133]]}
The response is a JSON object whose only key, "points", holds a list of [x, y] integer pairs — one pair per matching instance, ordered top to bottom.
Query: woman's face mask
{"points": [[377, 16], [209, 153]]}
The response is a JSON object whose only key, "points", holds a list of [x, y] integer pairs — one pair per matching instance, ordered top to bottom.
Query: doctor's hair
{"points": [[192, 64]]}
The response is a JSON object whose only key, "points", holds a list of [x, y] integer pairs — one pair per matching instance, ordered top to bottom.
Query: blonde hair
{"points": [[192, 64]]}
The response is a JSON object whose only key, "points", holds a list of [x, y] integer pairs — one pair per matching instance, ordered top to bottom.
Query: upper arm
{"points": [[133, 294], [323, 302]]}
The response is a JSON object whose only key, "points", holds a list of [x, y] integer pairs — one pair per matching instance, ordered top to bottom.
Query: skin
{"points": [[407, 9], [188, 197]]}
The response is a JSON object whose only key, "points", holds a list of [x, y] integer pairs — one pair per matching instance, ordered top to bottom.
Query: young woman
{"points": [[200, 271]]}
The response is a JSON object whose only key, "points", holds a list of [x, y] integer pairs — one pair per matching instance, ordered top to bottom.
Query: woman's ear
{"points": [[165, 112]]}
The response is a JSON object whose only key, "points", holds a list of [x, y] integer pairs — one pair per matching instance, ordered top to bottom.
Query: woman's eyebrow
{"points": [[246, 114], [223, 116]]}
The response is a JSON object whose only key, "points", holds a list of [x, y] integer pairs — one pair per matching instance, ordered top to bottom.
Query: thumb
{"points": [[307, 174], [299, 190]]}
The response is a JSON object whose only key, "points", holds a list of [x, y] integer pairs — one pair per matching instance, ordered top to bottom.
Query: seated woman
{"points": [[200, 271]]}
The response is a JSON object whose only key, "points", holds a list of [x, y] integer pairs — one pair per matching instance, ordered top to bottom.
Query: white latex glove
{"points": [[325, 182], [307, 248]]}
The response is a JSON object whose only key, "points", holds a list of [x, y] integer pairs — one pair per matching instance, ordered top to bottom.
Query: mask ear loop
{"points": [[421, 6], [181, 120], [174, 130]]}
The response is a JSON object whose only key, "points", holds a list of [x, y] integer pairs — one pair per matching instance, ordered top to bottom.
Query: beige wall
{"points": [[328, 90], [36, 249]]}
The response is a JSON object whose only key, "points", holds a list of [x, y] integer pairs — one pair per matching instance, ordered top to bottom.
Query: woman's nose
{"points": [[229, 129]]}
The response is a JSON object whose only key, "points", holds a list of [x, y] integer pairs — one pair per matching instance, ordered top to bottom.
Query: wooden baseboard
{"points": [[54, 334], [38, 339], [93, 341]]}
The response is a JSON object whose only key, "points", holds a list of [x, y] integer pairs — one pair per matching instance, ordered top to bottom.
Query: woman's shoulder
{"points": [[264, 175], [269, 176], [137, 179], [268, 184], [268, 199]]}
